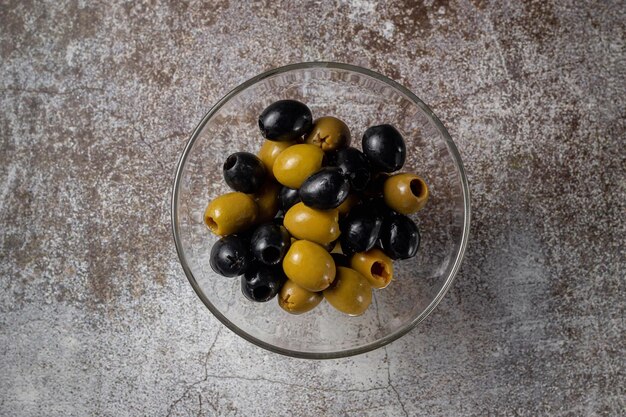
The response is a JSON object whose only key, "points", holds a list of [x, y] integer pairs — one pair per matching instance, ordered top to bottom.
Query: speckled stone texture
{"points": [[97, 100]]}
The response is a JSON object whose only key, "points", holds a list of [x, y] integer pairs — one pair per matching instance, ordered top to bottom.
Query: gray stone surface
{"points": [[97, 100]]}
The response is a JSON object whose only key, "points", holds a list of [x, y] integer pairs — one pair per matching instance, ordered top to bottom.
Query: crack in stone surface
{"points": [[532, 92], [150, 147], [207, 376], [391, 385], [191, 386]]}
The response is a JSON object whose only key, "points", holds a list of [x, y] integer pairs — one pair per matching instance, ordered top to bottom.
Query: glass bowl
{"points": [[361, 98]]}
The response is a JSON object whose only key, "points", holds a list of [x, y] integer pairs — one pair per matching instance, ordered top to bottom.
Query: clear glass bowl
{"points": [[361, 98]]}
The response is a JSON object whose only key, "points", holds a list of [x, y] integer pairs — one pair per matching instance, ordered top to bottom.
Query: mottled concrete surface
{"points": [[97, 100]]}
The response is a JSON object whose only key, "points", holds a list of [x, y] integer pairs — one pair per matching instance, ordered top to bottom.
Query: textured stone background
{"points": [[97, 100]]}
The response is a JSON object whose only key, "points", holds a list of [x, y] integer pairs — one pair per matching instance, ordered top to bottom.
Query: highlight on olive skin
{"points": [[285, 120], [329, 133], [384, 147], [269, 152], [296, 163], [244, 172], [326, 189], [405, 193], [230, 213], [311, 218], [319, 226], [400, 237], [269, 243], [230, 256], [309, 265], [375, 266], [261, 282], [351, 293], [297, 300]]}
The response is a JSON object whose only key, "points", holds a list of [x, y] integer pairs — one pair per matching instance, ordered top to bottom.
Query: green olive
{"points": [[329, 133], [269, 152], [296, 163], [405, 193], [267, 200], [345, 207], [230, 213], [319, 226], [309, 265], [375, 266], [351, 293], [296, 300]]}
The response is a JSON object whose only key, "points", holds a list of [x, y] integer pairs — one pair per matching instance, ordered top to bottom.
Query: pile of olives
{"points": [[311, 218]]}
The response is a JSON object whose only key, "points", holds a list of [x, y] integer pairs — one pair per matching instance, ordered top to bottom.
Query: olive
{"points": [[285, 120], [329, 133], [384, 147], [269, 152], [296, 163], [354, 165], [244, 172], [376, 185], [326, 189], [406, 193], [288, 197], [267, 201], [347, 205], [378, 206], [230, 213], [279, 218], [319, 226], [360, 229], [399, 237], [269, 243], [330, 246], [334, 247], [230, 256], [341, 259], [309, 265], [375, 266], [262, 282], [351, 293], [296, 300]]}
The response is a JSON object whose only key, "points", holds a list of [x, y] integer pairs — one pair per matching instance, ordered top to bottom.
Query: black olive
{"points": [[285, 120], [384, 147], [354, 166], [244, 172], [376, 186], [326, 189], [288, 197], [378, 206], [279, 218], [360, 229], [399, 237], [269, 243], [230, 256], [341, 260], [262, 282]]}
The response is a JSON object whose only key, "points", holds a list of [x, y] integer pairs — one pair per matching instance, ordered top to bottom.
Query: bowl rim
{"points": [[345, 352]]}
